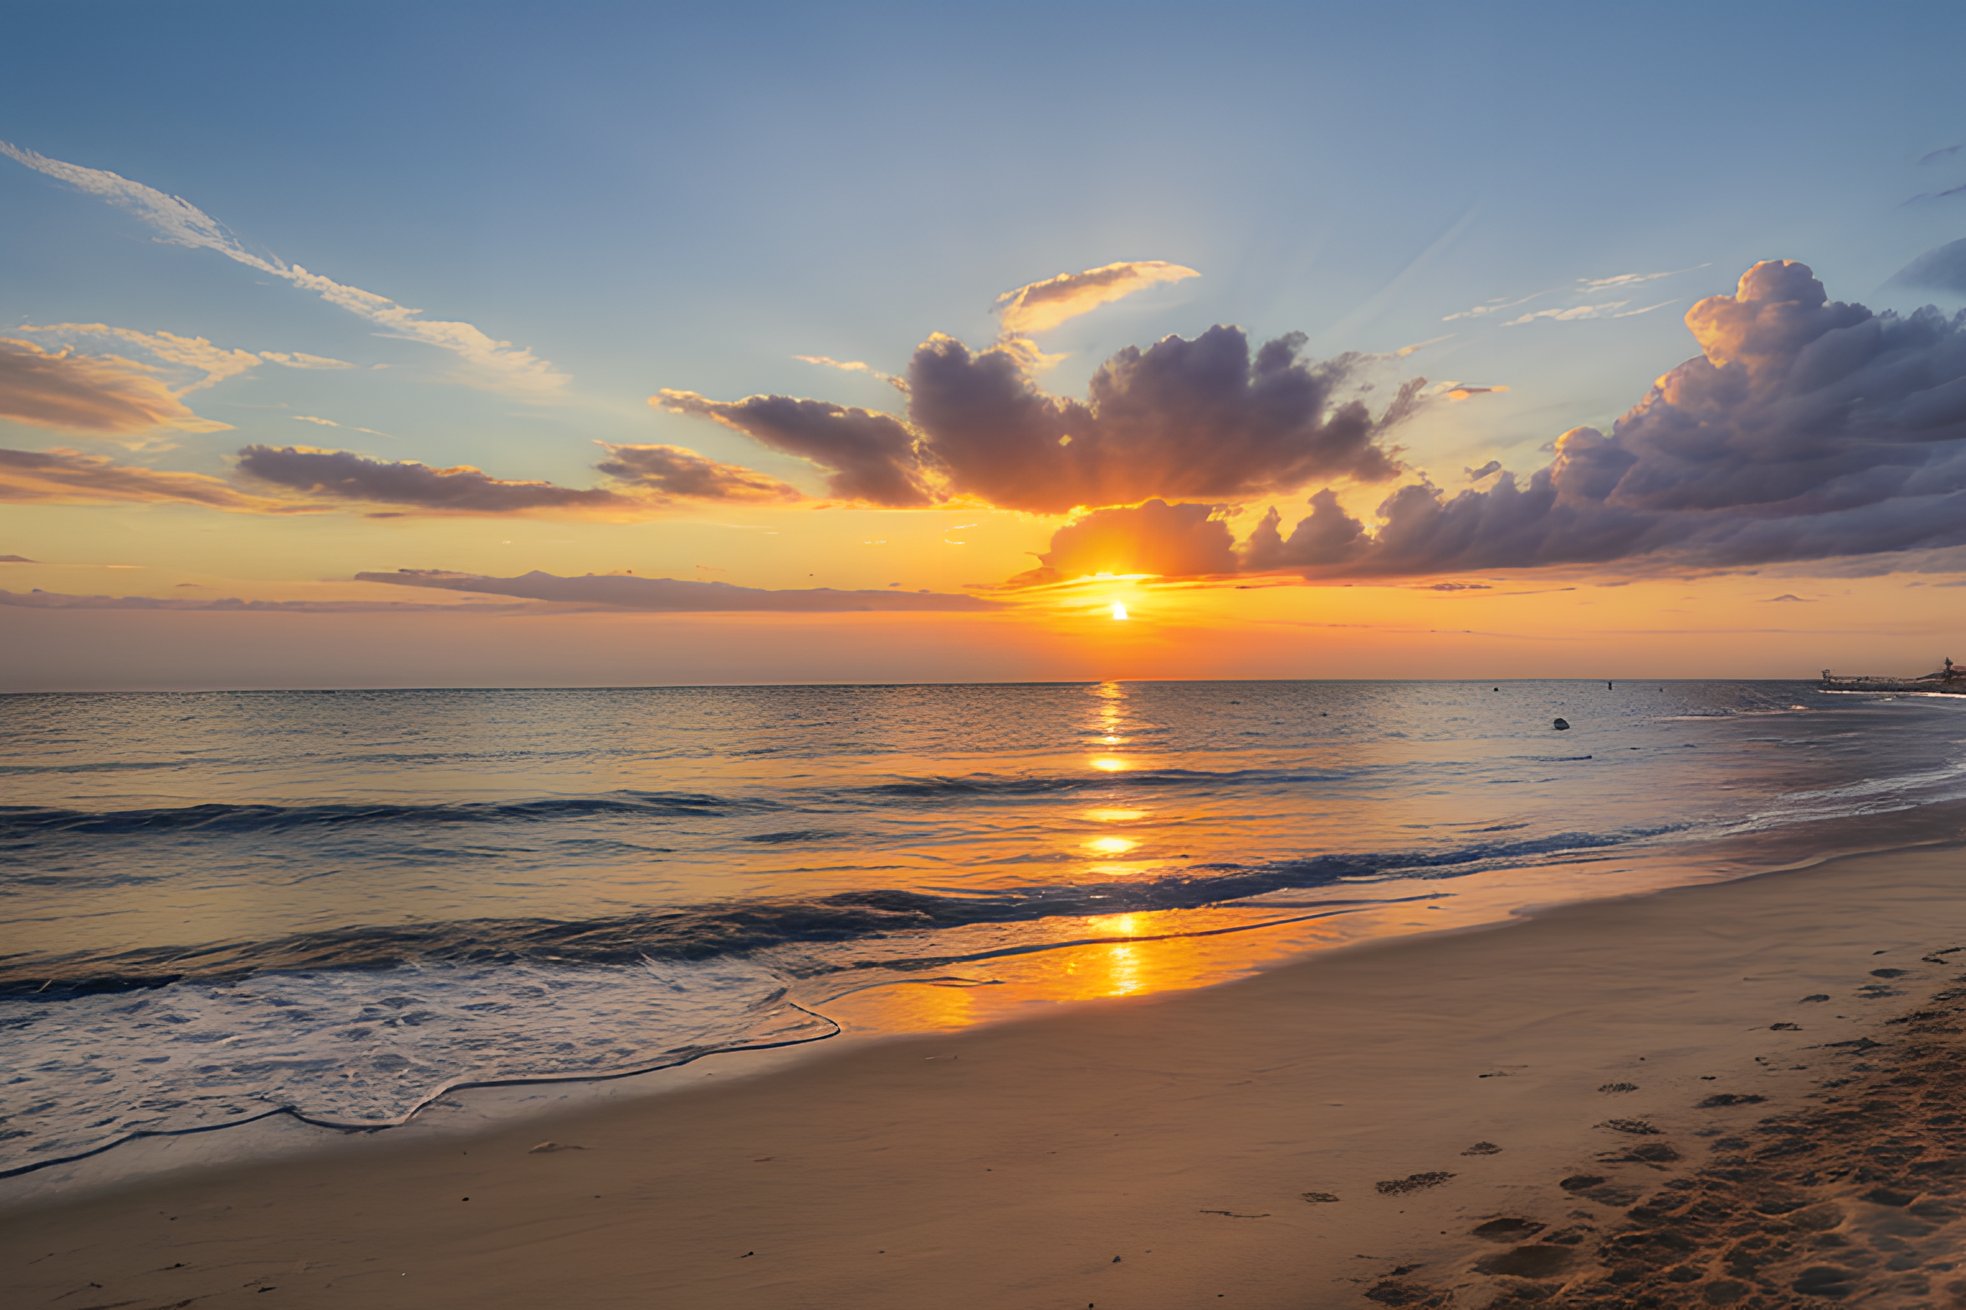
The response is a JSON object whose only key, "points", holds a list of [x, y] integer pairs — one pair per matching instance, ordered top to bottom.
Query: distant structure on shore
{"points": [[1948, 680]]}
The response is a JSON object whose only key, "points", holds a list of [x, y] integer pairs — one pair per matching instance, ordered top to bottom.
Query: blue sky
{"points": [[690, 199]]}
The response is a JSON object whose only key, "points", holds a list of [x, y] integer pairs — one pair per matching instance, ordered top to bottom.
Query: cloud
{"points": [[1943, 152], [1938, 195], [180, 223], [1943, 269], [1618, 281], [1498, 305], [1040, 306], [1584, 313], [202, 363], [854, 366], [1463, 391], [105, 396], [1204, 419], [316, 420], [1805, 430], [870, 456], [1493, 466], [673, 472], [346, 476], [67, 477], [1172, 540], [17, 559], [1459, 586], [676, 595], [1787, 598], [55, 600]]}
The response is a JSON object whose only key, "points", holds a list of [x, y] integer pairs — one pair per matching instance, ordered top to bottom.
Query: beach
{"points": [[1469, 1117]]}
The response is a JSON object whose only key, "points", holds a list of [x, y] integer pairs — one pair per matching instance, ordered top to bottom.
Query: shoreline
{"points": [[471, 1107], [954, 1158]]}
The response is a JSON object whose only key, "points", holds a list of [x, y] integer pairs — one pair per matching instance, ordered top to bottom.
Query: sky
{"points": [[379, 345]]}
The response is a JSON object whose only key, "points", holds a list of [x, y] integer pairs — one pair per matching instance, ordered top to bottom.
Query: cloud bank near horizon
{"points": [[681, 596]]}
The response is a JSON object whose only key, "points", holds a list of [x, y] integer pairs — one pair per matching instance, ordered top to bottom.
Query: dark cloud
{"points": [[1943, 269], [99, 395], [1206, 419], [1807, 429], [871, 456], [673, 472], [1477, 474], [344, 475], [69, 477], [16, 559], [676, 595], [1788, 598]]}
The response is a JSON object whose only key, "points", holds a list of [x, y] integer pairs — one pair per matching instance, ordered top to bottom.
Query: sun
{"points": [[1119, 611]]}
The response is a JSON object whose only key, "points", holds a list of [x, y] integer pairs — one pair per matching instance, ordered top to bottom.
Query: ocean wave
{"points": [[972, 785], [26, 823], [740, 928]]}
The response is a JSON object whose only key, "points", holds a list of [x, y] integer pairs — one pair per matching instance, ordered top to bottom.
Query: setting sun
{"points": [[1119, 612]]}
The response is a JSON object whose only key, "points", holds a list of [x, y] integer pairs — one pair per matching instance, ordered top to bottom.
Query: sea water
{"points": [[338, 906]]}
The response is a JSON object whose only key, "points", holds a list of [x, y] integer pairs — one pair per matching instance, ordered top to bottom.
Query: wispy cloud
{"points": [[1943, 152], [1938, 195], [178, 222], [1619, 281], [1498, 305], [1039, 306], [1583, 313], [203, 363], [854, 366], [105, 396], [69, 477], [678, 595]]}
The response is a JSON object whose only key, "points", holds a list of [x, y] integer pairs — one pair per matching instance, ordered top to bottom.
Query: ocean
{"points": [[343, 907]]}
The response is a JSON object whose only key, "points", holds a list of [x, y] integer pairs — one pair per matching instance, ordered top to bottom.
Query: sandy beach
{"points": [[1732, 1094]]}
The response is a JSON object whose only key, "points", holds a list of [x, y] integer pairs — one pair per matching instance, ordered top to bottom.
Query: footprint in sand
{"points": [[1412, 1182], [1507, 1229]]}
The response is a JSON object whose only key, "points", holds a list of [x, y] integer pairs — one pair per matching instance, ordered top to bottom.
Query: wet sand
{"points": [[1750, 1094]]}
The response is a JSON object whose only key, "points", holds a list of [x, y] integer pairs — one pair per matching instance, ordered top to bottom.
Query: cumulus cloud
{"points": [[179, 222], [1943, 269], [1040, 306], [106, 396], [1203, 418], [1206, 418], [1805, 430], [869, 456], [673, 472], [67, 477], [677, 595]]}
